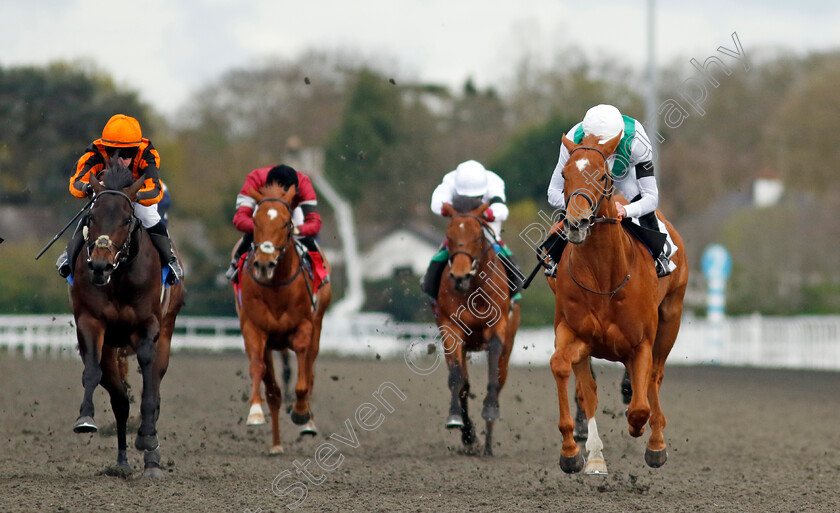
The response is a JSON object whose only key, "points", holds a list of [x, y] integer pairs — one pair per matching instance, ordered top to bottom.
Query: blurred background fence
{"points": [[811, 342]]}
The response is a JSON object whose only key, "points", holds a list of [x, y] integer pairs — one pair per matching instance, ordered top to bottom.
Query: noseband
{"points": [[595, 206], [120, 254]]}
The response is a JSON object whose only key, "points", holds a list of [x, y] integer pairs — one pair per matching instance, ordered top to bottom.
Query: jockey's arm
{"points": [[91, 161], [647, 189], [443, 193], [495, 195], [556, 198], [311, 220]]}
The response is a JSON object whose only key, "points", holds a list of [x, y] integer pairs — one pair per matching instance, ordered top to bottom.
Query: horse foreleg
{"points": [[90, 334], [255, 341], [302, 344], [567, 349], [146, 353], [455, 361], [113, 380], [274, 399], [638, 412]]}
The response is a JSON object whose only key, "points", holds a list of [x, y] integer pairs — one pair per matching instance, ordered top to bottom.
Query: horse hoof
{"points": [[490, 412], [255, 416], [299, 418], [454, 421], [85, 425], [308, 429], [146, 442], [275, 449], [488, 450], [655, 459], [571, 465], [596, 467], [153, 473]]}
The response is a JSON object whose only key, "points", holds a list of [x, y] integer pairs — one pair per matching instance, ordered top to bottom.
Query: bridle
{"points": [[595, 206], [593, 220], [486, 231], [268, 247], [120, 254]]}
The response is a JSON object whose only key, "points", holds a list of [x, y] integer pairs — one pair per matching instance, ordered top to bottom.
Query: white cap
{"points": [[603, 121], [470, 179]]}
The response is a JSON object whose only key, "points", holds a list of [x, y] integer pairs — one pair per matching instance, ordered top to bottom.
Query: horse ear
{"points": [[570, 146], [610, 146], [96, 184], [131, 191], [290, 193], [255, 194], [481, 208], [448, 210]]}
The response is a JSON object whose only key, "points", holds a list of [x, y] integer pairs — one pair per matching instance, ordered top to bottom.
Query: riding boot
{"points": [[163, 244], [244, 244], [553, 247], [65, 261], [664, 267], [514, 274], [431, 280]]}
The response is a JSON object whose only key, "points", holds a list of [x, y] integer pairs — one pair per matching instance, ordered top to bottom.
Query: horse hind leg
{"points": [[670, 313], [287, 373], [587, 392], [274, 399]]}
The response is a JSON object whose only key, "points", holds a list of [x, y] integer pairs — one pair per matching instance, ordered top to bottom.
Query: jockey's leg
{"points": [[149, 217], [247, 240], [163, 244], [553, 246], [67, 259], [318, 266], [664, 267], [515, 278], [431, 280]]}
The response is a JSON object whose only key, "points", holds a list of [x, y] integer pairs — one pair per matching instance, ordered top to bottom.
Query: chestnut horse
{"points": [[610, 304], [120, 308], [277, 311], [474, 314]]}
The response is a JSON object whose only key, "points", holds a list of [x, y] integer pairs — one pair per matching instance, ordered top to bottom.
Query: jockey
{"points": [[122, 139], [631, 168], [471, 180], [306, 226]]}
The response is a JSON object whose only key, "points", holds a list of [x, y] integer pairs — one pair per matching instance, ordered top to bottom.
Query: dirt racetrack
{"points": [[740, 440]]}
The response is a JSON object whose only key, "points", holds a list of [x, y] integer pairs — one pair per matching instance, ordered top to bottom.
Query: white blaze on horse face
{"points": [[581, 164], [272, 213]]}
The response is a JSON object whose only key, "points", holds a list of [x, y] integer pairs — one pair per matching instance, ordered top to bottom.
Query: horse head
{"points": [[588, 185], [111, 221], [273, 228], [465, 239]]}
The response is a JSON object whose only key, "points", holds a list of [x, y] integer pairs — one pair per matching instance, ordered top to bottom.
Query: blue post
{"points": [[717, 264]]}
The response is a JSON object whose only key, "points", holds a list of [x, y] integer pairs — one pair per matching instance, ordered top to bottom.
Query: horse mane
{"points": [[117, 176], [466, 203]]}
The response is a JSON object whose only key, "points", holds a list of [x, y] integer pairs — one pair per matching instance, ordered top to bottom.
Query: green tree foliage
{"points": [[50, 114], [358, 156], [529, 158], [27, 286]]}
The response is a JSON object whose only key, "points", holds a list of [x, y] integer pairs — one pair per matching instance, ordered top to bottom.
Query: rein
{"points": [[122, 254]]}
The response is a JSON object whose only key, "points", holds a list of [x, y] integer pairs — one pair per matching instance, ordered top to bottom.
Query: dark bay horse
{"points": [[610, 304], [121, 308], [277, 311], [474, 314]]}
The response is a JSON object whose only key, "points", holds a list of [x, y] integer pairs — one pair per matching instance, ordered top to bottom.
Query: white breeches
{"points": [[148, 216]]}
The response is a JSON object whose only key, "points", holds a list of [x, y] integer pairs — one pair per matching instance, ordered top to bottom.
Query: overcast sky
{"points": [[168, 48]]}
